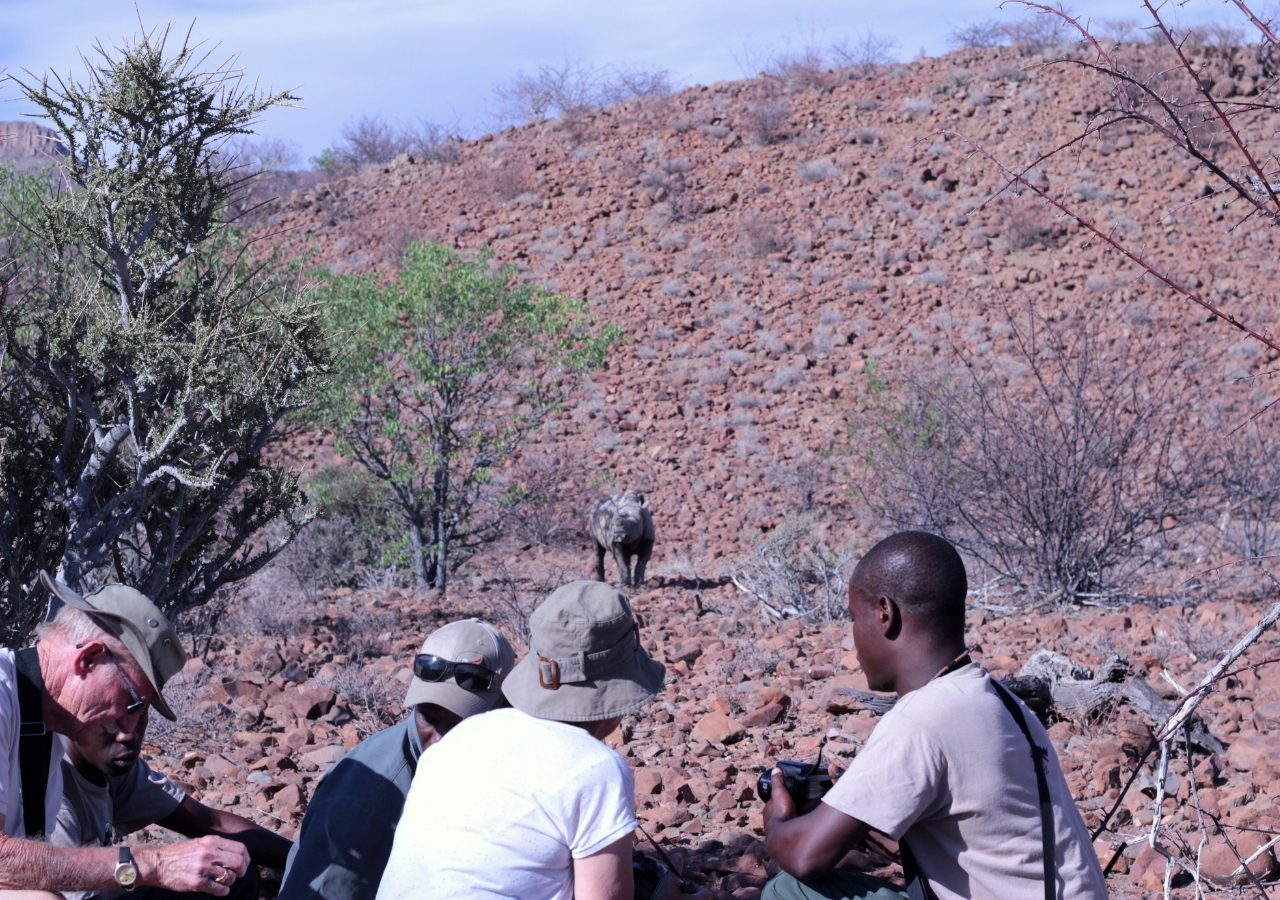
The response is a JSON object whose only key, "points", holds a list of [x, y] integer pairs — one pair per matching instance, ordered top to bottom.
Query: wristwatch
{"points": [[126, 872]]}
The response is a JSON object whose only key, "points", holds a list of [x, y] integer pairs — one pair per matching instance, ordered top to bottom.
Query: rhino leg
{"points": [[622, 556], [642, 560], [599, 561]]}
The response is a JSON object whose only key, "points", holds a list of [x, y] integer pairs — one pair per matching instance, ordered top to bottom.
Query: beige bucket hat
{"points": [[138, 624], [585, 662]]}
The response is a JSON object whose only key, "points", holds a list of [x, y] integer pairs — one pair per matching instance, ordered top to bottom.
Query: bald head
{"points": [[923, 573]]}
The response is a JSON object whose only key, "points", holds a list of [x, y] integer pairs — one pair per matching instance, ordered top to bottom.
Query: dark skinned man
{"points": [[949, 772]]}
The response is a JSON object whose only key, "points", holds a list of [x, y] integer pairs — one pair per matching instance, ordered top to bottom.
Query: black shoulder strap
{"points": [[35, 744], [1038, 757], [917, 886]]}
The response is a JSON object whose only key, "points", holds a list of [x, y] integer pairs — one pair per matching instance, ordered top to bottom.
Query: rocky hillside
{"points": [[763, 242]]}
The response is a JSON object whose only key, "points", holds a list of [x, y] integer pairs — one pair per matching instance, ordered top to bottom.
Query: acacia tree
{"points": [[145, 362], [447, 371]]}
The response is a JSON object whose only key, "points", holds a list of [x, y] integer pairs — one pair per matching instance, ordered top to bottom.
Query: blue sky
{"points": [[440, 60]]}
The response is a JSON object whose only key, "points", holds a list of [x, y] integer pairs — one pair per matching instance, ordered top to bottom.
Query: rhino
{"points": [[623, 525]]}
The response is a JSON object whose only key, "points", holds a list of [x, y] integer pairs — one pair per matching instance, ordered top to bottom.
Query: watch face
{"points": [[126, 872]]}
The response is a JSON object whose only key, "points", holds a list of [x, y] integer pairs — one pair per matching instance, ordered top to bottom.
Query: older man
{"points": [[96, 666], [345, 839]]}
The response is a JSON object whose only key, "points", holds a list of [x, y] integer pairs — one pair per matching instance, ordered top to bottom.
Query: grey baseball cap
{"points": [[138, 624], [467, 640], [585, 662]]}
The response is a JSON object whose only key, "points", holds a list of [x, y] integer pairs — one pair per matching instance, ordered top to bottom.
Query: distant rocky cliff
{"points": [[26, 145]]}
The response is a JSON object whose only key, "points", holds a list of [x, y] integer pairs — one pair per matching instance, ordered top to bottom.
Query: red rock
{"points": [[764, 715], [718, 728], [1251, 751], [648, 781], [1219, 862]]}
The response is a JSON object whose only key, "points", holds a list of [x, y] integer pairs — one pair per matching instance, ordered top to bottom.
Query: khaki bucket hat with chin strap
{"points": [[137, 623], [585, 662]]}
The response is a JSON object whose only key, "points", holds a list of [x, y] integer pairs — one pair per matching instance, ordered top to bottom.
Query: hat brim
{"points": [[119, 629], [620, 693], [451, 696]]}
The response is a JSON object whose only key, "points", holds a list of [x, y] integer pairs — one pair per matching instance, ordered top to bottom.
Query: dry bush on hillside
{"points": [[981, 35], [865, 53], [572, 87], [769, 120], [371, 140], [505, 180], [673, 183], [1024, 225], [761, 235], [1066, 477], [556, 495], [1250, 520], [354, 539], [793, 571], [511, 596], [374, 696]]}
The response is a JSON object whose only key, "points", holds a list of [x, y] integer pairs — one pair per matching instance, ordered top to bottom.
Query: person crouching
{"points": [[529, 802]]}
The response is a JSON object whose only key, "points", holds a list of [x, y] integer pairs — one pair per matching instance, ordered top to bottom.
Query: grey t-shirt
{"points": [[948, 769], [90, 812]]}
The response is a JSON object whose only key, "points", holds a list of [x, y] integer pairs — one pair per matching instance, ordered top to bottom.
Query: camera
{"points": [[805, 782]]}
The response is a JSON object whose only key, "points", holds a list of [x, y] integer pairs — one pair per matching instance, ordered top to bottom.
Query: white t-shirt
{"points": [[949, 769], [10, 770], [502, 806]]}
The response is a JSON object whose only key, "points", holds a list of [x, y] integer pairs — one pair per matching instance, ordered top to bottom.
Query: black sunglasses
{"points": [[469, 676], [138, 704]]}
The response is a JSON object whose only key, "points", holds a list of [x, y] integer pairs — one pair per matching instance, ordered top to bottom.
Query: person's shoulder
{"points": [[379, 742]]}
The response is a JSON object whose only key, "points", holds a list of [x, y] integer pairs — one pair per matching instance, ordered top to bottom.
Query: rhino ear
{"points": [[643, 501]]}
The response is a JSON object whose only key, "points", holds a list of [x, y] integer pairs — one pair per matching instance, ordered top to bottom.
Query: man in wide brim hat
{"points": [[99, 661], [585, 662], [555, 818]]}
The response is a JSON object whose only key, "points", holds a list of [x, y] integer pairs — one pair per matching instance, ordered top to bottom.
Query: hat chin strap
{"points": [[582, 666]]}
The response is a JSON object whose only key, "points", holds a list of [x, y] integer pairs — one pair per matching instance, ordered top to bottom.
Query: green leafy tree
{"points": [[145, 361], [447, 371]]}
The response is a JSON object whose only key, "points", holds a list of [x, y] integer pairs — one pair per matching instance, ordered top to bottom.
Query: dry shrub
{"points": [[769, 120], [505, 180], [672, 182], [1025, 225], [760, 235], [1250, 473], [1066, 478], [555, 495], [354, 539], [793, 571], [511, 596], [375, 697]]}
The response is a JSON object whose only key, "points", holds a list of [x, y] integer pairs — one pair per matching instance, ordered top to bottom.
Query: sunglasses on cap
{"points": [[469, 676]]}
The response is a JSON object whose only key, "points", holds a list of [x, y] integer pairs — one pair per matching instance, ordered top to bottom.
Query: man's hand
{"points": [[781, 806], [810, 844], [208, 864]]}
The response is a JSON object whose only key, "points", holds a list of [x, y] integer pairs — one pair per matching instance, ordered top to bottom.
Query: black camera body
{"points": [[805, 782]]}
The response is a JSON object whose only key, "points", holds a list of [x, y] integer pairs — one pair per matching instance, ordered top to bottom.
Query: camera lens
{"points": [[764, 785]]}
